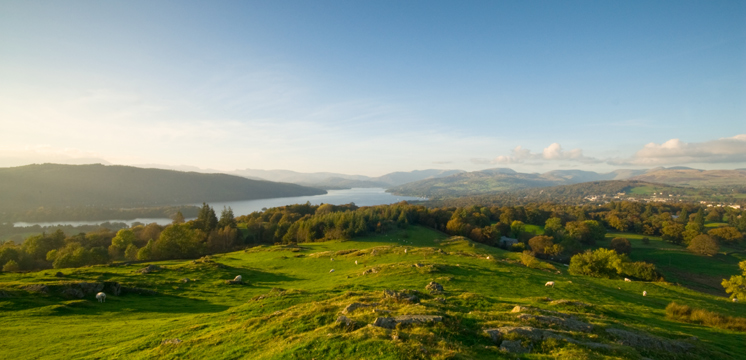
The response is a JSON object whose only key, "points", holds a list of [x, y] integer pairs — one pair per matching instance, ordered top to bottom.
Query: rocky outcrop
{"points": [[149, 269], [37, 288], [434, 288], [404, 296], [354, 306], [390, 323], [570, 324], [647, 341], [514, 347]]}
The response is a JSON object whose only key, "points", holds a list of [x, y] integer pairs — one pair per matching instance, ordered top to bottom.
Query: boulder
{"points": [[149, 269], [37, 288], [112, 288], [434, 288], [73, 292], [400, 296], [354, 306], [520, 309], [385, 322], [346, 323], [390, 323], [570, 324], [513, 347]]}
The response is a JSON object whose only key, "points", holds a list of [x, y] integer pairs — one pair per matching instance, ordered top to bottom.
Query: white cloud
{"points": [[553, 152], [677, 152]]}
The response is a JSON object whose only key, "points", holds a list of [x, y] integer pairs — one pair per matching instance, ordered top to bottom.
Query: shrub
{"points": [[726, 234], [646, 240], [539, 244], [621, 245], [704, 245], [518, 247], [528, 259], [600, 263], [11, 265], [641, 270], [736, 285], [688, 314]]}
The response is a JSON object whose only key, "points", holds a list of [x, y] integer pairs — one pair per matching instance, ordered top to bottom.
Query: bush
{"points": [[646, 240], [539, 244], [621, 245], [704, 245], [518, 247], [528, 259], [600, 263], [11, 265], [641, 270], [688, 314]]}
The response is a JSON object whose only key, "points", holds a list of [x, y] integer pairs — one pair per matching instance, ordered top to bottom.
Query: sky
{"points": [[371, 87]]}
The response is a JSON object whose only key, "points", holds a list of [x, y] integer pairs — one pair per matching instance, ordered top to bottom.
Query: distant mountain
{"points": [[681, 176], [326, 180], [498, 180], [54, 185]]}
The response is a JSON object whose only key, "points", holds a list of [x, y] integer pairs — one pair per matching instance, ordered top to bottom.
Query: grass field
{"points": [[288, 307]]}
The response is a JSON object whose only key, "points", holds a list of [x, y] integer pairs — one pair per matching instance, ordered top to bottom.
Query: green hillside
{"points": [[53, 185], [290, 302]]}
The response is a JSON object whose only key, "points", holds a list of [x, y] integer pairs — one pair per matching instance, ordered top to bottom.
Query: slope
{"points": [[53, 185], [289, 304]]}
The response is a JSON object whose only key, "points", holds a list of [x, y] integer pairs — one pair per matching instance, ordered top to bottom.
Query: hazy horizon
{"points": [[374, 88]]}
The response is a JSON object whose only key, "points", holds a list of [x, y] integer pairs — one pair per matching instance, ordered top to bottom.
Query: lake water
{"points": [[359, 196]]}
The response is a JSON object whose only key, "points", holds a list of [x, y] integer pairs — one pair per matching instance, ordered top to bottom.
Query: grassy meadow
{"points": [[288, 304]]}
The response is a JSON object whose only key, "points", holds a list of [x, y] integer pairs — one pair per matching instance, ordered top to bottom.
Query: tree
{"points": [[178, 218], [227, 218], [206, 219], [552, 226], [517, 228], [672, 232], [727, 234], [222, 240], [178, 241], [119, 243], [540, 244], [621, 245], [704, 245], [131, 252], [146, 252], [529, 260], [11, 265], [736, 285]]}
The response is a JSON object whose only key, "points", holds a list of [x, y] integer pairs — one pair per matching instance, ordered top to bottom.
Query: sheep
{"points": [[405, 251], [488, 258], [332, 259], [355, 262], [331, 271], [238, 278], [627, 280], [550, 283], [644, 293], [101, 297], [735, 299]]}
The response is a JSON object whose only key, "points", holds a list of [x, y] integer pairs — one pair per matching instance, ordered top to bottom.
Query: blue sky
{"points": [[374, 87]]}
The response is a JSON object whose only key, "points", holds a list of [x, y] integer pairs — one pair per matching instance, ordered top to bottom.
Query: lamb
{"points": [[405, 251], [488, 258], [355, 262], [331, 271], [238, 278], [627, 280], [550, 283], [644, 293], [101, 297]]}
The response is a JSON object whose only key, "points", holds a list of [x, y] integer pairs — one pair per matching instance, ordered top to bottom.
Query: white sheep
{"points": [[405, 251], [488, 258], [332, 259], [355, 262], [331, 271], [238, 278], [627, 280], [550, 283], [644, 293], [101, 297], [735, 299]]}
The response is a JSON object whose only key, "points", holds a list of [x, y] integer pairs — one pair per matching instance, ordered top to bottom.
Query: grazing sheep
{"points": [[405, 251], [488, 258], [332, 259], [355, 262], [331, 271], [238, 278], [627, 280], [550, 283], [644, 293], [101, 297], [735, 299]]}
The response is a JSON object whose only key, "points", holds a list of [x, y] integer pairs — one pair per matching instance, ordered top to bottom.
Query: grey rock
{"points": [[149, 269], [37, 288], [434, 288], [73, 293], [400, 296], [354, 306], [417, 319], [385, 322], [571, 324], [647, 341], [513, 347]]}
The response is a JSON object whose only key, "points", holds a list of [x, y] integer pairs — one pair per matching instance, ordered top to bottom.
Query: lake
{"points": [[359, 196]]}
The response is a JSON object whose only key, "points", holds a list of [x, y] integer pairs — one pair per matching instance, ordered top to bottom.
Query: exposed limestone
{"points": [[150, 268], [370, 271], [37, 288], [434, 288], [401, 296], [354, 306], [519, 309], [345, 322], [390, 323], [570, 324], [171, 341], [647, 341], [514, 347]]}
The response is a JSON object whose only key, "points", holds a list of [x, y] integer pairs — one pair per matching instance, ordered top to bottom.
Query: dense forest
{"points": [[61, 186], [567, 230]]}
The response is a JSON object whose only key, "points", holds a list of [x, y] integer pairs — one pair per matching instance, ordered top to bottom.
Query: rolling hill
{"points": [[694, 177], [53, 185], [378, 303]]}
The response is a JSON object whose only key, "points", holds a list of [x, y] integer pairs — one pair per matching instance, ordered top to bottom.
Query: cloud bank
{"points": [[672, 152]]}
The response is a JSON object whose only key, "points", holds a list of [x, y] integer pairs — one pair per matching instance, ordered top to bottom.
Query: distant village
{"points": [[656, 197]]}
